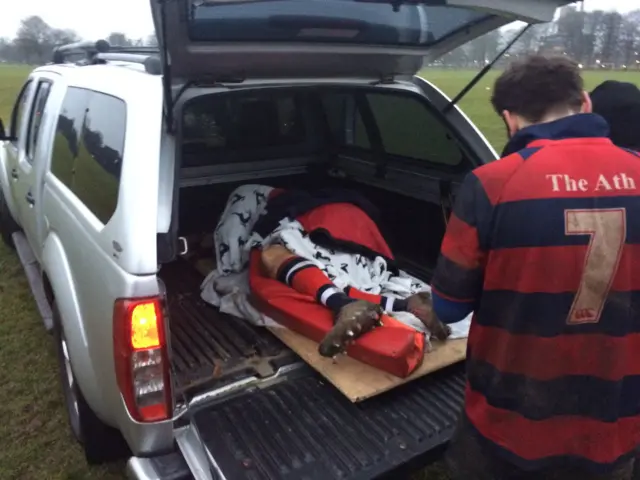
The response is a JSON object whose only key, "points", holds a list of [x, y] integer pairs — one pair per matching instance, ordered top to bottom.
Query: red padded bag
{"points": [[395, 347]]}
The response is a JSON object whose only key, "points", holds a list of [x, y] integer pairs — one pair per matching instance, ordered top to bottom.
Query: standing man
{"points": [[619, 104], [544, 246]]}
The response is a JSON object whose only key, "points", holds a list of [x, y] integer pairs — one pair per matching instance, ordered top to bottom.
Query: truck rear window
{"points": [[327, 21], [226, 124], [277, 124]]}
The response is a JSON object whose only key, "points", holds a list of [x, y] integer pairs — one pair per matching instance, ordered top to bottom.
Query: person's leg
{"points": [[303, 276], [389, 304], [419, 304], [352, 318], [468, 460], [624, 471]]}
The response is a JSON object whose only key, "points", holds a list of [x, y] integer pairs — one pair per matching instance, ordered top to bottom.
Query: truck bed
{"points": [[209, 348], [296, 425]]}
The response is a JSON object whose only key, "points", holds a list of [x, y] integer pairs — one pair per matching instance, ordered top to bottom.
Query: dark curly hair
{"points": [[537, 85]]}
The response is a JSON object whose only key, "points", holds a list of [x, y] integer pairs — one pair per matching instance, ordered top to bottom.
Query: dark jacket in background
{"points": [[619, 104]]}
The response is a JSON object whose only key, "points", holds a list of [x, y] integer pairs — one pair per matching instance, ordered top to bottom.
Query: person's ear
{"points": [[587, 105], [511, 121]]}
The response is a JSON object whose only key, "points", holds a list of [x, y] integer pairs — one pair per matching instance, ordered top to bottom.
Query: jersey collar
{"points": [[582, 125]]}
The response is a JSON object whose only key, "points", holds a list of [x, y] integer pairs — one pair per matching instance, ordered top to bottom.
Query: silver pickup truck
{"points": [[116, 164]]}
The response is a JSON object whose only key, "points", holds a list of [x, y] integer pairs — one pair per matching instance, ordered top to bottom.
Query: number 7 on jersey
{"points": [[608, 231]]}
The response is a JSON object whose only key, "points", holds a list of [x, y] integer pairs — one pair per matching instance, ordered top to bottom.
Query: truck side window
{"points": [[20, 109], [37, 111], [345, 120], [408, 129], [419, 136], [67, 139], [96, 175]]}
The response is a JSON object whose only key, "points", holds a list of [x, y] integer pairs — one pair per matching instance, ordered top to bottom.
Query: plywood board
{"points": [[359, 381]]}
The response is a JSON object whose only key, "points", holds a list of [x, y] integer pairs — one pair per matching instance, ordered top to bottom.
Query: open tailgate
{"points": [[288, 422], [303, 428]]}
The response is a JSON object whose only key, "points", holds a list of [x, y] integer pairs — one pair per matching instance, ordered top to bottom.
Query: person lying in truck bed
{"points": [[324, 244]]}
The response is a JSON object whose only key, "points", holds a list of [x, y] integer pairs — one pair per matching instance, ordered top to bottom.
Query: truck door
{"points": [[15, 148], [36, 151]]}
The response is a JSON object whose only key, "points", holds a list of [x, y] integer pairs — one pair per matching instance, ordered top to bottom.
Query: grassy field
{"points": [[36, 440]]}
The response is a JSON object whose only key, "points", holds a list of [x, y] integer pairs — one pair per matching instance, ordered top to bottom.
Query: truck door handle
{"points": [[14, 173], [29, 198]]}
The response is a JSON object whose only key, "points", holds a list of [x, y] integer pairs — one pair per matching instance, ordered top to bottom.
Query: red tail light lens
{"points": [[142, 368]]}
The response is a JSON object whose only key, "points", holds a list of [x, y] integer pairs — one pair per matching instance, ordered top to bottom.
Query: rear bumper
{"points": [[165, 467]]}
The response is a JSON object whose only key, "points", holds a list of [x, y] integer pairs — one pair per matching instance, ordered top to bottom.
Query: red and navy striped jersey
{"points": [[544, 247]]}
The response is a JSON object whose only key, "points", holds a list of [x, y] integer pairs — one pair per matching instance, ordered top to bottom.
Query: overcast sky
{"points": [[93, 19]]}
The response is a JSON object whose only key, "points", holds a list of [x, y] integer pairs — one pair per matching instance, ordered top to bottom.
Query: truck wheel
{"points": [[8, 225], [100, 442]]}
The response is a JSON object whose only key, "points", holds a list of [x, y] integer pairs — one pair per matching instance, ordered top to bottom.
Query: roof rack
{"points": [[100, 52]]}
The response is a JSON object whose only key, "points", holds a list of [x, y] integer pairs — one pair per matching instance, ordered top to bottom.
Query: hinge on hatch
{"points": [[384, 80], [218, 82], [446, 199]]}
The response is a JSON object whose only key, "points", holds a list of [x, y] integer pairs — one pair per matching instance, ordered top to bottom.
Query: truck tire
{"points": [[8, 225], [100, 442]]}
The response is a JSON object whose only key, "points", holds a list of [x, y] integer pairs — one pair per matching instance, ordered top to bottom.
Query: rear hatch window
{"points": [[326, 21], [209, 41]]}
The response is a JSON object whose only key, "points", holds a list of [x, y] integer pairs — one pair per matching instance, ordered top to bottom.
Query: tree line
{"points": [[36, 39], [596, 39]]}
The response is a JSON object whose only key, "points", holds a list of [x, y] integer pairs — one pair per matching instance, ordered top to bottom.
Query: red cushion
{"points": [[395, 347]]}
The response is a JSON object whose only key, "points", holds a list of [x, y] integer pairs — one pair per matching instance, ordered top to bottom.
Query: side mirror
{"points": [[3, 134]]}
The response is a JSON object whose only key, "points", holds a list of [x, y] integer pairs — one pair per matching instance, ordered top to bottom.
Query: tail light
{"points": [[140, 352]]}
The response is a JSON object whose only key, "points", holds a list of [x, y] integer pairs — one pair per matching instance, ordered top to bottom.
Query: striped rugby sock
{"points": [[305, 277], [388, 304]]}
